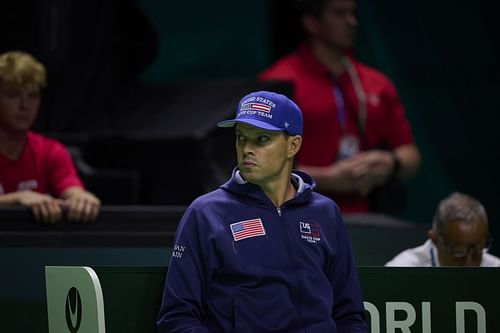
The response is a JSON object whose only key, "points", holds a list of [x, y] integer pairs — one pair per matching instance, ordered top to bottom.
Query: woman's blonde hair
{"points": [[21, 70]]}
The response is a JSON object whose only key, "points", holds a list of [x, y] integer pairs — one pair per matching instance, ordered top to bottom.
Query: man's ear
{"points": [[294, 144], [432, 234]]}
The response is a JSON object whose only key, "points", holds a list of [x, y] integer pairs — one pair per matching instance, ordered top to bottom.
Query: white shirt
{"points": [[425, 255]]}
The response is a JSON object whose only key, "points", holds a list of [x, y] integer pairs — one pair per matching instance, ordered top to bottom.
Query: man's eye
{"points": [[240, 137], [263, 138]]}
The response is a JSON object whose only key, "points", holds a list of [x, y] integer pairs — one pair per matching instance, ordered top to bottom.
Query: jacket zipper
{"points": [[298, 305]]}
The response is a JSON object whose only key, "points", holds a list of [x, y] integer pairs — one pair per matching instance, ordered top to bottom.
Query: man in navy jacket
{"points": [[263, 252]]}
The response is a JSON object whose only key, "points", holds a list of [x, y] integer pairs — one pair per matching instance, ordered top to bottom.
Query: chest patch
{"points": [[246, 229], [310, 232]]}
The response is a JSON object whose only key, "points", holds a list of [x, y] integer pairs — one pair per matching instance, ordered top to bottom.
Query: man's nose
{"points": [[24, 101], [248, 147]]}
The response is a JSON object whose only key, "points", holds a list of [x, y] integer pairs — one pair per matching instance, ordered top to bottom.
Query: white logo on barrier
{"points": [[73, 310]]}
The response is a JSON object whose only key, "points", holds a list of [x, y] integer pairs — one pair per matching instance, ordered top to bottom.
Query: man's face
{"points": [[336, 26], [18, 108], [262, 155], [461, 244]]}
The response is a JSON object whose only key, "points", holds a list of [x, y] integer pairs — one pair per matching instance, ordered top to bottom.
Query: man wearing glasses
{"points": [[459, 237]]}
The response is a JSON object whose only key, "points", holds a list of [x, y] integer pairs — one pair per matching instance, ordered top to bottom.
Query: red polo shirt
{"points": [[386, 126], [44, 166]]}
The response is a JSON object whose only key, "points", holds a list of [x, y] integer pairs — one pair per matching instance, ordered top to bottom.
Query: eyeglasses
{"points": [[460, 252]]}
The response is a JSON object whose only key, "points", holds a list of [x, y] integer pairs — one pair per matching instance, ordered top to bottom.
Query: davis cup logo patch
{"points": [[246, 229], [310, 232]]}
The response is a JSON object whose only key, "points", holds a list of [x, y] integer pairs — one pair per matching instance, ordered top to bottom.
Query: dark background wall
{"points": [[103, 55], [444, 58]]}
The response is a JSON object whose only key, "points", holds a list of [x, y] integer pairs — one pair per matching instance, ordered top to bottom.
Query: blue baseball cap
{"points": [[267, 110]]}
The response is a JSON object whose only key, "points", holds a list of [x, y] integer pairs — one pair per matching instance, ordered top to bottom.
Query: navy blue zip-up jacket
{"points": [[240, 264]]}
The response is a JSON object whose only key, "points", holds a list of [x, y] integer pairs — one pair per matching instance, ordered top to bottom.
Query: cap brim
{"points": [[251, 122]]}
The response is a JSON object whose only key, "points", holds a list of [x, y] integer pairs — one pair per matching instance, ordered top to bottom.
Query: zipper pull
{"points": [[279, 211]]}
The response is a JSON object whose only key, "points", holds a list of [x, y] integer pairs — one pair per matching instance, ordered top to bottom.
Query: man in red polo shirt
{"points": [[356, 136], [35, 171]]}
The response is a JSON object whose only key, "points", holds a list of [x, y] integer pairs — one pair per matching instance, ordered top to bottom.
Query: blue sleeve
{"points": [[182, 308], [348, 309]]}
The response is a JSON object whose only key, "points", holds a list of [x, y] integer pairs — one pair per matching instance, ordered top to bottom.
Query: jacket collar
{"points": [[237, 185]]}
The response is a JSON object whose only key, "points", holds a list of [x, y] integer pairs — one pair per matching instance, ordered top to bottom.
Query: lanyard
{"points": [[360, 95], [339, 104], [349, 144]]}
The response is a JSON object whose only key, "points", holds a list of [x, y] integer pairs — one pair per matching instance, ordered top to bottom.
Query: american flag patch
{"points": [[256, 107], [260, 107], [247, 229]]}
